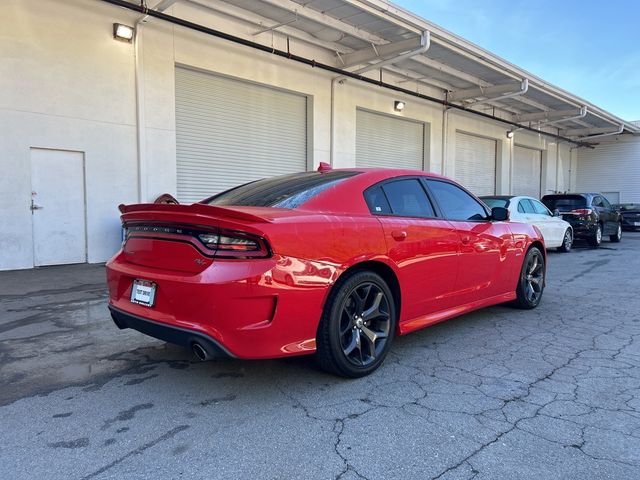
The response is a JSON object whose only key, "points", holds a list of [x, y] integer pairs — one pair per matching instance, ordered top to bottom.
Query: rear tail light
{"points": [[582, 211], [217, 243], [232, 244]]}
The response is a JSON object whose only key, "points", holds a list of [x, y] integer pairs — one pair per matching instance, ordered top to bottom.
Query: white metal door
{"points": [[230, 132], [389, 142], [475, 165], [527, 172], [613, 197], [58, 207]]}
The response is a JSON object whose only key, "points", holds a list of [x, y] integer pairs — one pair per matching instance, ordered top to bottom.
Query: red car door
{"points": [[424, 248], [484, 269]]}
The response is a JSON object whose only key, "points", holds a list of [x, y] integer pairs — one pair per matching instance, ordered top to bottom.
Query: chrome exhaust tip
{"points": [[200, 352]]}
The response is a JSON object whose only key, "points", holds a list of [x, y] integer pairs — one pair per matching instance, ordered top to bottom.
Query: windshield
{"points": [[285, 191], [495, 202], [564, 202]]}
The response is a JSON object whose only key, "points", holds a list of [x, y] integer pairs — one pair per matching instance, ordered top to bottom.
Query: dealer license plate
{"points": [[636, 224], [143, 292]]}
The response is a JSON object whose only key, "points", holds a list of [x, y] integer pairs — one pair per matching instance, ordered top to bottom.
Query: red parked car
{"points": [[334, 262]]}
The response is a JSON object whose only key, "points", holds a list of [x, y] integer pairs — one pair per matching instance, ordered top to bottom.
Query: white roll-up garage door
{"points": [[230, 132], [390, 142], [476, 163], [527, 171]]}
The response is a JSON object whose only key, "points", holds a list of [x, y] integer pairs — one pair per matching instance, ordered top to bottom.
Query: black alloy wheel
{"points": [[618, 235], [596, 239], [567, 241], [531, 282], [357, 327]]}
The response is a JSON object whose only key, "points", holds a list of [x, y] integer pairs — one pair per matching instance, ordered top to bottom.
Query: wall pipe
{"points": [[312, 63]]}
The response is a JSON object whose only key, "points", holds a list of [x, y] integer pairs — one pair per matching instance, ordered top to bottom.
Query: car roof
{"points": [[382, 173], [560, 195]]}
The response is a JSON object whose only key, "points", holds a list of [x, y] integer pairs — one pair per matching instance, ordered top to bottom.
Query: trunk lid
{"points": [[173, 237]]}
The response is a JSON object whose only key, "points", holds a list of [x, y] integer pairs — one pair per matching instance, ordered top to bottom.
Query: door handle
{"points": [[33, 206], [399, 235]]}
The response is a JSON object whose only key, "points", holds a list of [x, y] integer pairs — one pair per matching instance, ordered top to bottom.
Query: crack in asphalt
{"points": [[566, 375]]}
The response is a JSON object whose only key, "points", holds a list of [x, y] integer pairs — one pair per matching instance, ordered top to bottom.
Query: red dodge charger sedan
{"points": [[333, 262]]}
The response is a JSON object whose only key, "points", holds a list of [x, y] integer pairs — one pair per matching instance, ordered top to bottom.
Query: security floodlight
{"points": [[122, 32], [398, 105]]}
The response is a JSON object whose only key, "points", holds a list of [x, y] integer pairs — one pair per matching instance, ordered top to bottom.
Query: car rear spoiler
{"points": [[213, 211]]}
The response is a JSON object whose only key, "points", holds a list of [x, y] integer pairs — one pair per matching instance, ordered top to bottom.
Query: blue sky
{"points": [[590, 48]]}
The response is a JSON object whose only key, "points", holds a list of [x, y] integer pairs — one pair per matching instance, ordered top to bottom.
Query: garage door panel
{"points": [[230, 132], [388, 142], [475, 166], [527, 172]]}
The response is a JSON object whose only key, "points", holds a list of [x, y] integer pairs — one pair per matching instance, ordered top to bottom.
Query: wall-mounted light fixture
{"points": [[122, 32], [398, 105], [509, 133]]}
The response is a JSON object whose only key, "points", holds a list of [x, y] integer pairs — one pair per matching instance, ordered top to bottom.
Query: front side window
{"points": [[407, 198], [597, 202], [605, 202], [455, 203]]}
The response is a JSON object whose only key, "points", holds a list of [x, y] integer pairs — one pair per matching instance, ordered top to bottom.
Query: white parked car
{"points": [[556, 232]]}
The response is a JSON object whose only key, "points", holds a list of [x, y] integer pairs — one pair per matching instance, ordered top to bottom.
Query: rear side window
{"points": [[286, 191], [407, 198], [377, 201], [564, 202], [455, 203], [525, 206], [539, 207]]}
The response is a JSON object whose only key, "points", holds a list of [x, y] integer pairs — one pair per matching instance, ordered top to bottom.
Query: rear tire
{"points": [[615, 238], [596, 239], [567, 242], [531, 280], [357, 326]]}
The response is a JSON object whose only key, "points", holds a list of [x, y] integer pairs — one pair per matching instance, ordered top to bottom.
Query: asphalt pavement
{"points": [[500, 393]]}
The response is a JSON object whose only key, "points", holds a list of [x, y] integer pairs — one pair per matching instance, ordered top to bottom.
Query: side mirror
{"points": [[556, 213], [499, 214]]}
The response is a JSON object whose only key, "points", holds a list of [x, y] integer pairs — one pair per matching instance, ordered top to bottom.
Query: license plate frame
{"points": [[143, 292]]}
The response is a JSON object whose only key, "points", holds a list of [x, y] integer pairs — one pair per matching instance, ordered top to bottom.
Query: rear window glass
{"points": [[286, 191], [495, 202], [564, 202]]}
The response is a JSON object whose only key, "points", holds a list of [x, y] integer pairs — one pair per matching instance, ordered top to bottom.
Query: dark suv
{"points": [[590, 214]]}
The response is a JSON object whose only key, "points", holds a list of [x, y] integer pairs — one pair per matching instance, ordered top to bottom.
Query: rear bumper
{"points": [[630, 223], [582, 229], [251, 310], [168, 333]]}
